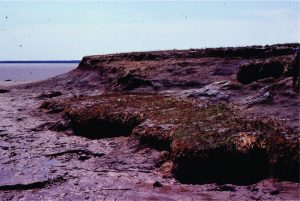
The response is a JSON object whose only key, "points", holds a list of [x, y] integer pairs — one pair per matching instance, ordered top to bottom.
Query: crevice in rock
{"points": [[76, 151], [33, 185]]}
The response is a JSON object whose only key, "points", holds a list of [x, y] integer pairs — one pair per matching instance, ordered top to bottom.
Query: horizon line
{"points": [[41, 61]]}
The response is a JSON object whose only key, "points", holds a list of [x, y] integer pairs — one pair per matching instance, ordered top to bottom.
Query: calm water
{"points": [[25, 72]]}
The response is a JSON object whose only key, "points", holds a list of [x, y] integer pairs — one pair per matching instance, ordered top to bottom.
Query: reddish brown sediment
{"points": [[145, 126], [206, 144]]}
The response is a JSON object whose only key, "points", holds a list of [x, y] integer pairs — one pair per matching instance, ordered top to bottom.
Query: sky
{"points": [[66, 30]]}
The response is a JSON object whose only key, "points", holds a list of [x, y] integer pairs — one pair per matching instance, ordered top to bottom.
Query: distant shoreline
{"points": [[41, 61], [33, 70]]}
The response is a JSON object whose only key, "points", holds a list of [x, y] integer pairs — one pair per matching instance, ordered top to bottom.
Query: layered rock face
{"points": [[190, 68], [146, 125]]}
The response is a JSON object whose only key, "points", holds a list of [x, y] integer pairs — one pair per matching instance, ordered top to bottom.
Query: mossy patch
{"points": [[216, 143]]}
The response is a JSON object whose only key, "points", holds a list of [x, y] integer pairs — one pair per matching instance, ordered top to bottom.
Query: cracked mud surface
{"points": [[40, 164]]}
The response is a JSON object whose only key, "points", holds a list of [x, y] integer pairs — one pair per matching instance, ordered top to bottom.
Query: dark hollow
{"points": [[255, 71], [130, 82], [3, 91], [103, 128], [156, 143], [223, 167]]}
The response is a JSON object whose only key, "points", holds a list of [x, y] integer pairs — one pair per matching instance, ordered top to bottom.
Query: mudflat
{"points": [[200, 124]]}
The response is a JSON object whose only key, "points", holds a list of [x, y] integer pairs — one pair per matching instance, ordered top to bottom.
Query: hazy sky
{"points": [[34, 30]]}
